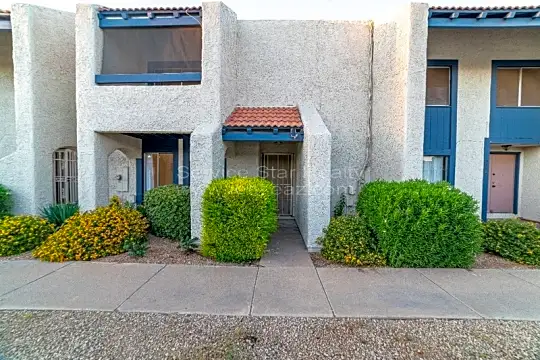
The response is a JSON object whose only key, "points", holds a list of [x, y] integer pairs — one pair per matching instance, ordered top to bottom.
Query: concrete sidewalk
{"points": [[272, 291]]}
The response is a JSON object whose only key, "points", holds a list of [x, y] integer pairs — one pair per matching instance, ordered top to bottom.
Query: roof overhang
{"points": [[149, 17], [509, 17], [5, 21], [273, 124]]}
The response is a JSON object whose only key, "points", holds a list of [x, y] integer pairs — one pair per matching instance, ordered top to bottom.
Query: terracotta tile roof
{"points": [[188, 8], [485, 8], [5, 12], [288, 116]]}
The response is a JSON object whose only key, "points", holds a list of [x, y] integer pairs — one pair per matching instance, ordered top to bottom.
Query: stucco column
{"points": [[207, 156], [314, 190]]}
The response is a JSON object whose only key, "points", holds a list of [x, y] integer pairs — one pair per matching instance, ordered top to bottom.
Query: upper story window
{"points": [[151, 47], [438, 86], [518, 86]]}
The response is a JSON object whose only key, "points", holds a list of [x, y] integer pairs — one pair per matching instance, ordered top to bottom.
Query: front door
{"points": [[278, 168], [502, 182]]}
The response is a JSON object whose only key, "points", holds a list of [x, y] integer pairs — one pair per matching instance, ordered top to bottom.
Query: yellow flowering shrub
{"points": [[22, 233], [94, 234], [347, 240]]}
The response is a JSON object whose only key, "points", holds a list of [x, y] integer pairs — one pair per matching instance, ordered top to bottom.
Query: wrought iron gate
{"points": [[279, 169], [65, 176]]}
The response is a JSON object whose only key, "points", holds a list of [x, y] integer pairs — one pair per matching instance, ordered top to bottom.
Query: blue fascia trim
{"points": [[115, 20], [483, 23], [453, 64], [148, 78], [268, 135], [186, 171], [485, 180]]}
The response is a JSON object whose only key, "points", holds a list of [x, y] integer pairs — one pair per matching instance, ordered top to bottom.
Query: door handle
{"points": [[493, 185]]}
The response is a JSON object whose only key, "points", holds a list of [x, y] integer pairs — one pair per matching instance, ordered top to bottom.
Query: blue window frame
{"points": [[151, 47], [441, 120], [518, 125]]}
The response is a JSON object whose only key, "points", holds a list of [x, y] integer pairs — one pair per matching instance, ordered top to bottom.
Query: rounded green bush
{"points": [[6, 202], [169, 212], [239, 216], [418, 224], [22, 233], [347, 240], [514, 240]]}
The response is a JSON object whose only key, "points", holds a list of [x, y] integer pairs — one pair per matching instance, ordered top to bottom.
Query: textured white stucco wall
{"points": [[475, 49], [320, 62], [399, 72], [44, 95], [7, 101], [243, 158], [314, 180], [529, 205]]}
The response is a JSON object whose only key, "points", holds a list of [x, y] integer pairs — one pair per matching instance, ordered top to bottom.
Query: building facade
{"points": [[185, 95]]}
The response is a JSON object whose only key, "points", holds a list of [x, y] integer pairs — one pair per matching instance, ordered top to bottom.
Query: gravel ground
{"points": [[165, 251], [483, 261], [95, 335]]}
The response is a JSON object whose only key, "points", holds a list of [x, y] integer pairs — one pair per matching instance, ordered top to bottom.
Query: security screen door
{"points": [[279, 169]]}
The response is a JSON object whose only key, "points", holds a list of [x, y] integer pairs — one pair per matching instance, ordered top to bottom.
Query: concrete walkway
{"points": [[286, 247], [271, 291]]}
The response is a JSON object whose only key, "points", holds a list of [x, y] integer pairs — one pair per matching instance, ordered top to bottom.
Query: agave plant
{"points": [[57, 214]]}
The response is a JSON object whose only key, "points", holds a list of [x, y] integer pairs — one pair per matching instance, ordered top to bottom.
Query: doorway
{"points": [[279, 169], [503, 183]]}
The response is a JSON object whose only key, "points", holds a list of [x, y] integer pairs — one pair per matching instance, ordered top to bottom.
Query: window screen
{"points": [[152, 50], [438, 86], [508, 87], [530, 88]]}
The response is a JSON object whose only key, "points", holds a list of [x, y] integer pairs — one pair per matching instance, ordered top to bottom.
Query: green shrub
{"points": [[6, 202], [339, 208], [169, 212], [58, 214], [239, 215], [418, 224], [101, 232], [22, 233], [347, 240], [514, 240], [188, 244], [136, 246]]}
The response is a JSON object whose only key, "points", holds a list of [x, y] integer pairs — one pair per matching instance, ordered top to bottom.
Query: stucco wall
{"points": [[475, 50], [320, 62], [44, 94], [398, 94], [7, 101], [242, 158], [314, 180], [529, 207]]}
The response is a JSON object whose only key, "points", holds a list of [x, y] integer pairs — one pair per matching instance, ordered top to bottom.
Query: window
{"points": [[152, 50], [438, 86], [518, 86], [435, 168], [158, 170], [65, 189]]}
